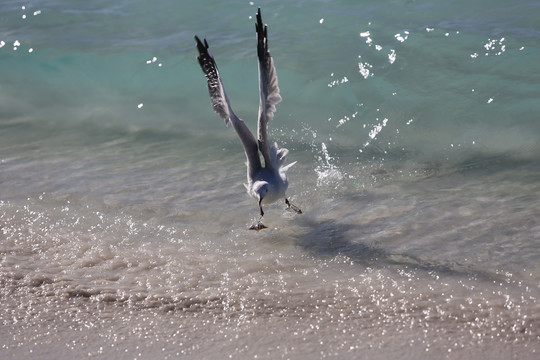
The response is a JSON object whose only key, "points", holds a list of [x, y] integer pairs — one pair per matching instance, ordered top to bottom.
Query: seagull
{"points": [[267, 179]]}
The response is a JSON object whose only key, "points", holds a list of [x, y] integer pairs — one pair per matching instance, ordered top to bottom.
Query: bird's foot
{"points": [[292, 208], [258, 226]]}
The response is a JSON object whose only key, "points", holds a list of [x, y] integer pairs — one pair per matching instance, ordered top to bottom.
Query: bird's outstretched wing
{"points": [[268, 88], [220, 102], [221, 105]]}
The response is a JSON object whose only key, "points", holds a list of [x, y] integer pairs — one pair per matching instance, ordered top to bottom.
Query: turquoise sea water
{"points": [[123, 219]]}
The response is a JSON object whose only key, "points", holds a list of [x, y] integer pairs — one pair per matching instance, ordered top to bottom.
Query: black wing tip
{"points": [[259, 17], [259, 26], [262, 35], [201, 45], [204, 54]]}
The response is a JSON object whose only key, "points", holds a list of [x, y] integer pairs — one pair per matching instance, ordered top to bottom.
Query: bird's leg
{"points": [[292, 207], [260, 208], [259, 225]]}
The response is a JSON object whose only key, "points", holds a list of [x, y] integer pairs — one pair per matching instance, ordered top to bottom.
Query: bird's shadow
{"points": [[331, 238]]}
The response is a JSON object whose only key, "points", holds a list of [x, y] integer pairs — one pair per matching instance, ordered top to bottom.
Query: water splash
{"points": [[367, 35], [402, 38], [392, 56], [364, 69], [337, 82], [346, 119], [376, 130], [327, 172]]}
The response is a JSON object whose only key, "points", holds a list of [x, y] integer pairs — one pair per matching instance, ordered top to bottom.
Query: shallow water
{"points": [[123, 219]]}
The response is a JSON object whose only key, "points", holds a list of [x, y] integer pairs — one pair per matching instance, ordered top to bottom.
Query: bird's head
{"points": [[261, 189]]}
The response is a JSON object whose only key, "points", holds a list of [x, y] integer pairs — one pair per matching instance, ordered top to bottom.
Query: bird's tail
{"points": [[280, 157]]}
